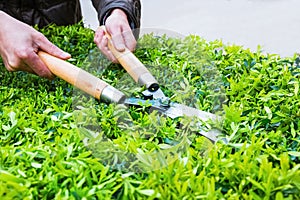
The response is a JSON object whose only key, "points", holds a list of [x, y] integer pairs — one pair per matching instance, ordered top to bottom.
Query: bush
{"points": [[43, 156]]}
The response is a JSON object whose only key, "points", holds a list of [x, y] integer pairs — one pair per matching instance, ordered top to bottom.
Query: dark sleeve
{"points": [[131, 7]]}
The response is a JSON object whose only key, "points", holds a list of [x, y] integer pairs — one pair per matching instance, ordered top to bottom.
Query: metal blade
{"points": [[174, 110], [178, 110]]}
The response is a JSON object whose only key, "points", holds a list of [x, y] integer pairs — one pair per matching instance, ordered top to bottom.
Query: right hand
{"points": [[122, 37], [19, 45]]}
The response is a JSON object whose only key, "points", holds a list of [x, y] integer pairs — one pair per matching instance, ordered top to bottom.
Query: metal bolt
{"points": [[164, 101]]}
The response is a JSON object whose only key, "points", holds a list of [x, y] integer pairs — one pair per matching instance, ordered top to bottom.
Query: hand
{"points": [[118, 27], [19, 44]]}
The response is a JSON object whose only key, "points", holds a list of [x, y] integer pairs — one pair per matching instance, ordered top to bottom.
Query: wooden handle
{"points": [[133, 66], [81, 79]]}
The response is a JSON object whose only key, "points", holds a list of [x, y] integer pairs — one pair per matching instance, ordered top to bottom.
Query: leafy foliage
{"points": [[43, 156]]}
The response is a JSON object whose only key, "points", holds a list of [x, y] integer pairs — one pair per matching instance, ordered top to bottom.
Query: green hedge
{"points": [[43, 156]]}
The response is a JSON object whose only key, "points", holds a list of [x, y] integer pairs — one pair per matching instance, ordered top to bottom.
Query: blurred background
{"points": [[273, 24]]}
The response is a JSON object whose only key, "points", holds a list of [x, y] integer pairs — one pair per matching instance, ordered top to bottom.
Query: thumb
{"points": [[117, 38], [118, 43]]}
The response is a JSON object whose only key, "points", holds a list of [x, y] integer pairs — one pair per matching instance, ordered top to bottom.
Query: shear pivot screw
{"points": [[164, 101]]}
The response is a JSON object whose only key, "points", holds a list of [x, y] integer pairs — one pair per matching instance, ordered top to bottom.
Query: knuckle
{"points": [[39, 36], [95, 40], [132, 46], [102, 47], [22, 53], [115, 61], [12, 65], [10, 69], [43, 73]]}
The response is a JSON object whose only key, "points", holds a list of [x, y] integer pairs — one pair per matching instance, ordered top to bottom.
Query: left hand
{"points": [[118, 27]]}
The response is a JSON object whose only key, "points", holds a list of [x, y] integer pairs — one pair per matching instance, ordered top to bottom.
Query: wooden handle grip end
{"points": [[81, 79]]}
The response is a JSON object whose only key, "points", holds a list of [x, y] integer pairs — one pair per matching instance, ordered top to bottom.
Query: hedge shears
{"points": [[152, 95]]}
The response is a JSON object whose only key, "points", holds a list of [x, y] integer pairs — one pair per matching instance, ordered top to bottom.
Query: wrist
{"points": [[118, 12]]}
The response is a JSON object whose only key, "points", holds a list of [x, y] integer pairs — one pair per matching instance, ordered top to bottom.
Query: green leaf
{"points": [[269, 112], [294, 153], [36, 165], [8, 177], [147, 192]]}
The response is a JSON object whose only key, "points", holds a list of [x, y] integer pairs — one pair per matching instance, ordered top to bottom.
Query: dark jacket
{"points": [[67, 12]]}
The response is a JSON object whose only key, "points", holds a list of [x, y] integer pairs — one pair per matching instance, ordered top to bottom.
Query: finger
{"points": [[100, 32], [117, 38], [129, 39], [101, 41], [118, 41], [44, 44], [105, 50], [13, 64], [38, 66], [22, 67], [26, 68]]}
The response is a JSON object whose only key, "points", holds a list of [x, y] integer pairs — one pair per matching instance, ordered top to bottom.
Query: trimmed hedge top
{"points": [[43, 156]]}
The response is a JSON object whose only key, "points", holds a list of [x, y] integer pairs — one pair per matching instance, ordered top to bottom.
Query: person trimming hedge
{"points": [[20, 42]]}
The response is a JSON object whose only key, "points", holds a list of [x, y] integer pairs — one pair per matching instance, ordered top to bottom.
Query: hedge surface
{"points": [[43, 156]]}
